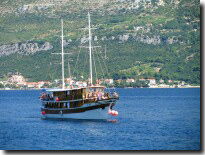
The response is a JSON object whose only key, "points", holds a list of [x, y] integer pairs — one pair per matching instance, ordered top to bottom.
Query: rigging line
{"points": [[78, 57], [104, 58], [86, 59], [76, 62], [100, 64], [95, 66], [69, 69], [106, 69], [102, 70]]}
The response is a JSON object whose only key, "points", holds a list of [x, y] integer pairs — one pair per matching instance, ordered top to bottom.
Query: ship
{"points": [[92, 101]]}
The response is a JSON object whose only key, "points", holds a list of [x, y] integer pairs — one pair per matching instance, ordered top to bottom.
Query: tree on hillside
{"points": [[1, 85]]}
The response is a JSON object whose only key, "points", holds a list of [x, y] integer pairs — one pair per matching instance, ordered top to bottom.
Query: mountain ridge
{"points": [[164, 31]]}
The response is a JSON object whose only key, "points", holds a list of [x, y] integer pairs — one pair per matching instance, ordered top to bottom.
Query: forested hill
{"points": [[144, 39]]}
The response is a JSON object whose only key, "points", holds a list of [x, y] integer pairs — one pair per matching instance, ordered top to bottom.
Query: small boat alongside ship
{"points": [[79, 102]]}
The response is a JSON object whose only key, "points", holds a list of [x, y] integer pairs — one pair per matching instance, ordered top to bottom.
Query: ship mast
{"points": [[90, 48], [62, 53]]}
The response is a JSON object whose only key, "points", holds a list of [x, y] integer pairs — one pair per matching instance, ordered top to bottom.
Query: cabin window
{"points": [[76, 94], [63, 95], [76, 104], [57, 105]]}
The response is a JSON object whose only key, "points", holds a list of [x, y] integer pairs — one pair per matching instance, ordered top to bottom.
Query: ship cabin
{"points": [[63, 98], [73, 98]]}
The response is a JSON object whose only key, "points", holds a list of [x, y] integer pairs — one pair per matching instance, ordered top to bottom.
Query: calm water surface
{"points": [[149, 119]]}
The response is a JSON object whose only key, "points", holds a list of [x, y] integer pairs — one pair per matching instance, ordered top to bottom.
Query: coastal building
{"points": [[16, 79], [142, 79], [130, 80], [109, 81], [161, 81], [170, 81], [47, 82], [41, 83], [152, 83], [182, 83], [21, 84], [32, 84], [36, 84], [163, 86]]}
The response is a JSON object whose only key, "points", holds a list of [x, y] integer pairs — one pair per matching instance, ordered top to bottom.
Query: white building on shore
{"points": [[17, 79]]}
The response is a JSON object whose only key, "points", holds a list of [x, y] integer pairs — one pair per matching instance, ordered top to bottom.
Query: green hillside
{"points": [[138, 40]]}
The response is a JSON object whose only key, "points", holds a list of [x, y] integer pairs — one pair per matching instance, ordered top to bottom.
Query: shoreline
{"points": [[110, 88]]}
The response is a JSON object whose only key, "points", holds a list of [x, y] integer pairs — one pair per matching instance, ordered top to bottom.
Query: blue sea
{"points": [[149, 119]]}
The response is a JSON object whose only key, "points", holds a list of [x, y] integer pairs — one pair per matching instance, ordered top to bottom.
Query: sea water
{"points": [[149, 119]]}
